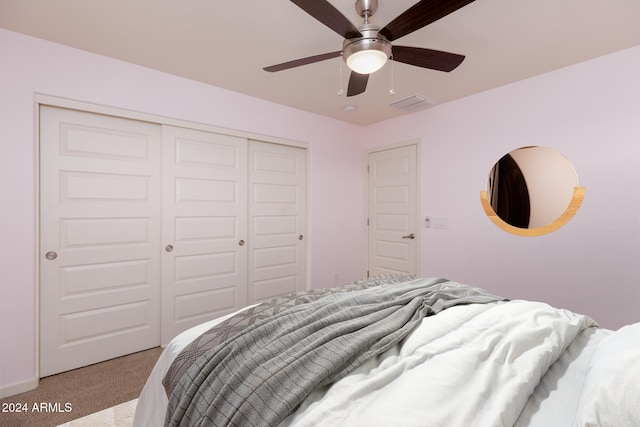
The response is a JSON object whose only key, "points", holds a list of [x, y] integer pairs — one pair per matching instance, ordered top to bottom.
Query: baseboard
{"points": [[17, 388]]}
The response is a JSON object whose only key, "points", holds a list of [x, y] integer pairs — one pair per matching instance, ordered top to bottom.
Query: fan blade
{"points": [[324, 12], [420, 14], [427, 58], [302, 61], [357, 83]]}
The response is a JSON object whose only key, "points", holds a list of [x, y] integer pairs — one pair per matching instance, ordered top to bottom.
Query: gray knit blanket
{"points": [[264, 370]]}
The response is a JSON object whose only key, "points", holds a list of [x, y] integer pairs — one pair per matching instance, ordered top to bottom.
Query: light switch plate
{"points": [[436, 222]]}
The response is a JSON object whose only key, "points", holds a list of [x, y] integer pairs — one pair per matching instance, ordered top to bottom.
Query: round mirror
{"points": [[532, 191]]}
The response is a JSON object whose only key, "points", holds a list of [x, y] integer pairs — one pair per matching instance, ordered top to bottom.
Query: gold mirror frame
{"points": [[574, 205]]}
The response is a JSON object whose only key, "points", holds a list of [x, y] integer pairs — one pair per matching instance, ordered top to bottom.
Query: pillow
{"points": [[611, 392]]}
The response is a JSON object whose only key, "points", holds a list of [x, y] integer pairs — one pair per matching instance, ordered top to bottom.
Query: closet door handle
{"points": [[409, 236], [241, 243], [168, 248]]}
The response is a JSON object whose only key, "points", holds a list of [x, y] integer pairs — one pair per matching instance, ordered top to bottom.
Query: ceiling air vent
{"points": [[412, 102]]}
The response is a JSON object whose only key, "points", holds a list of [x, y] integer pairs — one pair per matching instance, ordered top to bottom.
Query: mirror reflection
{"points": [[531, 187]]}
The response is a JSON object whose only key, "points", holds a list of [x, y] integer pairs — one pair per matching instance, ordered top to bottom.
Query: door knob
{"points": [[409, 236], [241, 243], [168, 248], [51, 255]]}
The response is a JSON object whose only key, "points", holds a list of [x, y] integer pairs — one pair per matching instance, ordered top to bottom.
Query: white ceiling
{"points": [[227, 42]]}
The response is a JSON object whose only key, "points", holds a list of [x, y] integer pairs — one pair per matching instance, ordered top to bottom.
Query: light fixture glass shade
{"points": [[367, 61]]}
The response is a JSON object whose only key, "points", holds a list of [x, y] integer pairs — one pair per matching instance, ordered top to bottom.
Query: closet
{"points": [[147, 229]]}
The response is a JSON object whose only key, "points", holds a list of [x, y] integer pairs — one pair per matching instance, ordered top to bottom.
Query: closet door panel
{"points": [[277, 225], [204, 227], [99, 238]]}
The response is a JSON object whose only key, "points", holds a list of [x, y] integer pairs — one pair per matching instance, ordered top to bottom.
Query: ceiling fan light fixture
{"points": [[368, 55], [366, 61]]}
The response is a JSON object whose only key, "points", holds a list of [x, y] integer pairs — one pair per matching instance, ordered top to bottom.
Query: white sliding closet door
{"points": [[277, 226], [148, 229], [100, 238], [204, 272]]}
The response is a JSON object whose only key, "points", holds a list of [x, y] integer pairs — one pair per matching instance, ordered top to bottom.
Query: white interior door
{"points": [[277, 226], [393, 226], [99, 238], [204, 268]]}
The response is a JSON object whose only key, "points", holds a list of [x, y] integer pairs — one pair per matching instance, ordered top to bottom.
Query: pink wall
{"points": [[31, 66], [590, 113]]}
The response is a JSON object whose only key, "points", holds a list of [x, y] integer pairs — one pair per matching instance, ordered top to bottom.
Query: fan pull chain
{"points": [[340, 90], [392, 90]]}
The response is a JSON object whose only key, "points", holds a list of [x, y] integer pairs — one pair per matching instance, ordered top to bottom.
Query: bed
{"points": [[397, 351]]}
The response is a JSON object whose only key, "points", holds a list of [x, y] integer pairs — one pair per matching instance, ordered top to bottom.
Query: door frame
{"points": [[41, 99], [418, 144]]}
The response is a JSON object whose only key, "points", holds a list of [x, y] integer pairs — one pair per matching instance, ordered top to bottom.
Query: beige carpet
{"points": [[84, 391], [116, 416]]}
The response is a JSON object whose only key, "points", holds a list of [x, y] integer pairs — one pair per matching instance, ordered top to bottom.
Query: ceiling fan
{"points": [[367, 48]]}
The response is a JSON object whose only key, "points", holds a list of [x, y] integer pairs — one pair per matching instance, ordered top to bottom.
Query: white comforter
{"points": [[473, 365], [467, 366]]}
